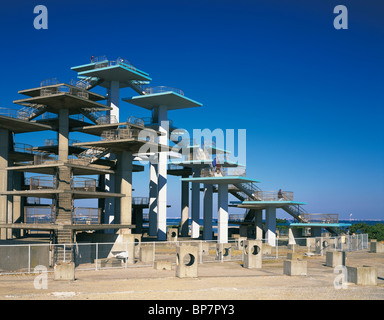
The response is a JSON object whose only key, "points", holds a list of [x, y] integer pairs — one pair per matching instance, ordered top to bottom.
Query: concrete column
{"points": [[114, 100], [63, 134], [4, 147], [153, 179], [110, 181], [162, 182], [126, 188], [184, 208], [208, 211], [195, 214], [222, 216], [259, 224], [270, 225]]}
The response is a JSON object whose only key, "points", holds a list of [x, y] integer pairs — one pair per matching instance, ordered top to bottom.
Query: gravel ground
{"points": [[216, 281]]}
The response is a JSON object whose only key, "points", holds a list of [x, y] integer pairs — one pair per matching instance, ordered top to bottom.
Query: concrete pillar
{"points": [[114, 99], [63, 134], [4, 147], [162, 178], [153, 179], [126, 188], [109, 203], [184, 208], [208, 211], [195, 214], [222, 215], [259, 224], [270, 225]]}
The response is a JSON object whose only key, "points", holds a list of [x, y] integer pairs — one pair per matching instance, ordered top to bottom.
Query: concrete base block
{"points": [[172, 234], [240, 242], [377, 247], [223, 251], [146, 254], [253, 254], [294, 256], [335, 258], [186, 261], [163, 265], [295, 267], [64, 271], [362, 275]]}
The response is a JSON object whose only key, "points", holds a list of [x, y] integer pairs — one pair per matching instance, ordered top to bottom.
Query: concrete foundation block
{"points": [[172, 234], [240, 243], [376, 247], [223, 251], [146, 254], [253, 254], [294, 256], [335, 258], [186, 261], [109, 262], [163, 265], [295, 267], [64, 271], [362, 275]]}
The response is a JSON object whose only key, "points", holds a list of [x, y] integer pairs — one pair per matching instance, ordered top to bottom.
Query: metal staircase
{"points": [[139, 86], [30, 111], [93, 154]]}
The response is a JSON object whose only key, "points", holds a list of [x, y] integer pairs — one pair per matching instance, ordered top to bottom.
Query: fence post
{"points": [[64, 252], [97, 254], [29, 258]]}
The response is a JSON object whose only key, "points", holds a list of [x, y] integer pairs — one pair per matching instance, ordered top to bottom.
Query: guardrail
{"points": [[103, 62], [160, 89], [79, 92], [219, 171], [83, 184], [140, 200], [83, 215], [320, 217]]}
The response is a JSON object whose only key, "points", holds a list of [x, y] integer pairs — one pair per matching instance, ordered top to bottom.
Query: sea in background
{"points": [[176, 221]]}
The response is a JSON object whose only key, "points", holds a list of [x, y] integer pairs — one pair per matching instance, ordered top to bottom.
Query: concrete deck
{"points": [[170, 99], [22, 126]]}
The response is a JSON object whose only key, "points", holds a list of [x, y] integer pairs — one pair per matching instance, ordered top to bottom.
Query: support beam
{"points": [[208, 211], [222, 215], [270, 225]]}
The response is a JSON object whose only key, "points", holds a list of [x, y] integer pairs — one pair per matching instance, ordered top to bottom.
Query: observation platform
{"points": [[109, 71], [36, 92], [170, 99], [63, 100], [22, 126], [119, 145], [205, 163], [221, 180], [265, 204]]}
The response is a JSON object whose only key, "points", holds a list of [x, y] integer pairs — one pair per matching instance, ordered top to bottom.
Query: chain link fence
{"points": [[23, 258]]}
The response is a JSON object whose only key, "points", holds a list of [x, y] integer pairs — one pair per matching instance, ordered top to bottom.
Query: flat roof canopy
{"points": [[118, 72], [170, 99], [55, 102], [22, 126], [221, 180], [265, 204]]}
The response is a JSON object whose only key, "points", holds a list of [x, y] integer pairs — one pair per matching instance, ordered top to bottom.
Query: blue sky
{"points": [[310, 97]]}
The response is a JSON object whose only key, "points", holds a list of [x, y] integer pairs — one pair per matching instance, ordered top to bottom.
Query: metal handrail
{"points": [[108, 63], [49, 82], [159, 89], [136, 121], [22, 147], [222, 172], [39, 183], [84, 184], [140, 200], [85, 215], [320, 217]]}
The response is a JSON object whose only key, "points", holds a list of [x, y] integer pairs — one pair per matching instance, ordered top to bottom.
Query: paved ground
{"points": [[216, 281]]}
